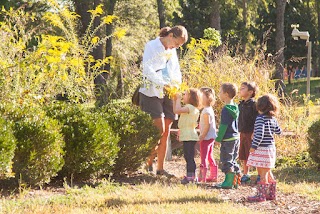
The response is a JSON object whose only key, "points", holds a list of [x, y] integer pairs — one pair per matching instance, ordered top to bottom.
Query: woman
{"points": [[161, 70]]}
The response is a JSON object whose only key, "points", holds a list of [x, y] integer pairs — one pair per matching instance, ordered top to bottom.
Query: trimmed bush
{"points": [[137, 134], [314, 142], [91, 145], [7, 147], [38, 155]]}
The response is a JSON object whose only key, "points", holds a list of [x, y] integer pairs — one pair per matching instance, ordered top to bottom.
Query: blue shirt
{"points": [[264, 129]]}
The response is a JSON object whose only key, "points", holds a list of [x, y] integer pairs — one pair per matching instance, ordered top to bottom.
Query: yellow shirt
{"points": [[187, 124]]}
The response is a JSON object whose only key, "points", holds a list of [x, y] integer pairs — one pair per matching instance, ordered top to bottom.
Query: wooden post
{"points": [[169, 148]]}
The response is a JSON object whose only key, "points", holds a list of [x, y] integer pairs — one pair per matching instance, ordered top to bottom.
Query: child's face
{"points": [[244, 92], [222, 95], [185, 97], [204, 99]]}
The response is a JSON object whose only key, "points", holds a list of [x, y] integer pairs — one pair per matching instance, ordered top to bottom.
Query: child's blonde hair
{"points": [[210, 94]]}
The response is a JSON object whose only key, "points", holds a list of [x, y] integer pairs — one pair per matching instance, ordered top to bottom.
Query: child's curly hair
{"points": [[210, 94], [268, 105]]}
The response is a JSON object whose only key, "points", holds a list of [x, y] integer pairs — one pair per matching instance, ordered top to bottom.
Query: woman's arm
{"points": [[152, 62]]}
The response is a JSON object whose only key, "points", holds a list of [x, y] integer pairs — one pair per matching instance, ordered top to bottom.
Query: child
{"points": [[247, 117], [187, 124], [228, 135], [207, 136], [263, 151]]}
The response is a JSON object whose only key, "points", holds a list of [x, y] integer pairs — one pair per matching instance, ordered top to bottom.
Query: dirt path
{"points": [[285, 203]]}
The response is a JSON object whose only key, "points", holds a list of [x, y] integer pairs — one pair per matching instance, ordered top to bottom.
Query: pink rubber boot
{"points": [[213, 174]]}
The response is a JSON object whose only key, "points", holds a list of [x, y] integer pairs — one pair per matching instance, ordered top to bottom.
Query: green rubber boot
{"points": [[228, 181]]}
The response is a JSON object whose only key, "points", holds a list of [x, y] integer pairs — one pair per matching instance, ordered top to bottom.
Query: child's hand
{"points": [[178, 95], [217, 144], [251, 150]]}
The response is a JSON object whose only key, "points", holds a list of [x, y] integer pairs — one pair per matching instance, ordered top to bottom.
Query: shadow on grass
{"points": [[298, 175], [11, 187], [117, 203]]}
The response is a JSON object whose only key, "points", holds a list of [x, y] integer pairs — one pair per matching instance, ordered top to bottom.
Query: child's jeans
{"points": [[229, 151], [188, 152], [206, 153]]}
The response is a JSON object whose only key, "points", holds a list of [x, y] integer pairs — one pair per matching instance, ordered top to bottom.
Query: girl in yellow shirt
{"points": [[188, 121]]}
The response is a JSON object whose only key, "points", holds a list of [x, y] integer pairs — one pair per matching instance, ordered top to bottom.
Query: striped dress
{"points": [[263, 142]]}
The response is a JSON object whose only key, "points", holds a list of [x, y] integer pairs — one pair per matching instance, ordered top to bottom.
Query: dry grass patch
{"points": [[113, 198]]}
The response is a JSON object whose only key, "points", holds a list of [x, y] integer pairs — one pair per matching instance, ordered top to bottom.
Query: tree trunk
{"points": [[82, 7], [161, 13], [215, 15], [244, 28], [109, 30], [280, 39], [280, 43], [98, 51], [317, 58], [102, 92]]}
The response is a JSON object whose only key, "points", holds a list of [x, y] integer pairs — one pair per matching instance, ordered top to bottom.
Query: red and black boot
{"points": [[272, 193], [261, 194]]}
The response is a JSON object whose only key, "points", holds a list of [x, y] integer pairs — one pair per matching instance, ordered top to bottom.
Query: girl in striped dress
{"points": [[263, 150]]}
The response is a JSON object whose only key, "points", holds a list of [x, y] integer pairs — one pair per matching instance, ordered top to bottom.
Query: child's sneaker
{"points": [[245, 179], [187, 180]]}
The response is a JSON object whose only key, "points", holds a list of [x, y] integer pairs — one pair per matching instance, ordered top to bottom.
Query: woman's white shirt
{"points": [[155, 59]]}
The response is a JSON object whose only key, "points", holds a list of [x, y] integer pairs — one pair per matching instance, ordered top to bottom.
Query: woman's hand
{"points": [[252, 150]]}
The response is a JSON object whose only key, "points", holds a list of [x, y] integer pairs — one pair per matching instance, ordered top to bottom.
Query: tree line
{"points": [[244, 25]]}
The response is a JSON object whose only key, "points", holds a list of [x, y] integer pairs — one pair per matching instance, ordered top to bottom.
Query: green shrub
{"points": [[137, 134], [314, 142], [91, 145], [7, 147], [38, 155]]}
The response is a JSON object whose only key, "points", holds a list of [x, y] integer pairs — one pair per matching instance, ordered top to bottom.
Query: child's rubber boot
{"points": [[202, 174], [213, 174], [228, 181], [261, 194], [272, 194]]}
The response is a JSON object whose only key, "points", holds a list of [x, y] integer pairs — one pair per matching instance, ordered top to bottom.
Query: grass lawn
{"points": [[301, 85], [302, 181], [114, 198]]}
